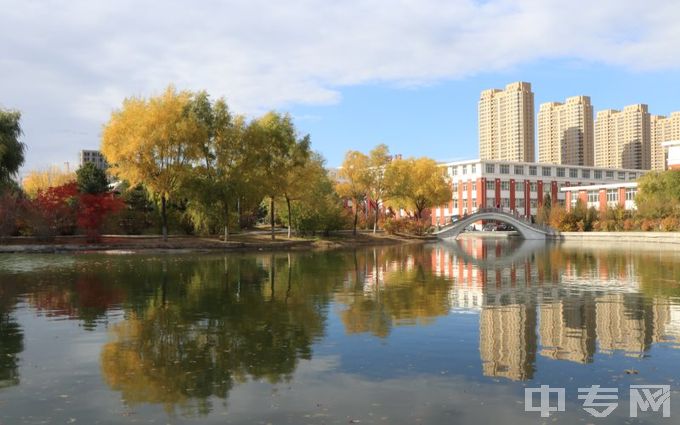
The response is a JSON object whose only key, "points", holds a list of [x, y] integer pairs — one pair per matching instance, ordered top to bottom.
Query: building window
{"points": [[474, 168], [490, 168], [464, 169], [505, 169], [519, 170], [532, 170], [454, 171], [546, 171], [560, 172], [573, 173], [585, 174], [598, 174], [609, 174], [622, 175], [632, 176], [490, 185], [505, 185], [532, 186], [455, 187], [630, 193], [612, 195], [593, 196], [490, 202], [505, 202], [519, 202], [455, 203], [533, 203]]}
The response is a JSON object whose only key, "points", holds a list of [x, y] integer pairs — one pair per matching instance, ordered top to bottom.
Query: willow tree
{"points": [[153, 142], [11, 149], [277, 152], [302, 171], [221, 174], [417, 184]]}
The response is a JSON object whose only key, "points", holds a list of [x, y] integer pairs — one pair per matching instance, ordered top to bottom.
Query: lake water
{"points": [[447, 333]]}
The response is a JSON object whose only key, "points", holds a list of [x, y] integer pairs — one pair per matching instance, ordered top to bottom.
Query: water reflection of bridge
{"points": [[531, 304]]}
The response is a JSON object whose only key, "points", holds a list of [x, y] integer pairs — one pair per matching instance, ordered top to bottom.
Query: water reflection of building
{"points": [[574, 302], [567, 330], [507, 341]]}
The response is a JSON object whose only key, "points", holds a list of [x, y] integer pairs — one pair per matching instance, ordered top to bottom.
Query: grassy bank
{"points": [[257, 241]]}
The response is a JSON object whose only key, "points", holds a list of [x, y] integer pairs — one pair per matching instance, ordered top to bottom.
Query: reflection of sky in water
{"points": [[31, 263], [437, 335]]}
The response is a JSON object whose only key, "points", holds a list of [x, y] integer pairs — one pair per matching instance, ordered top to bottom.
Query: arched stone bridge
{"points": [[526, 229]]}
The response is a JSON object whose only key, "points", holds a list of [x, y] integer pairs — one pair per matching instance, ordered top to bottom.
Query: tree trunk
{"points": [[238, 213], [377, 214], [271, 216], [289, 216], [164, 218], [356, 218], [226, 222], [272, 272]]}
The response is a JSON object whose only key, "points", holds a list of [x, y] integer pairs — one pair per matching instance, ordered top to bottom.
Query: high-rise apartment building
{"points": [[506, 123], [662, 129], [565, 132], [623, 139], [95, 157]]}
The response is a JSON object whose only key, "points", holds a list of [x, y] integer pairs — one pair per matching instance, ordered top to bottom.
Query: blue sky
{"points": [[353, 74], [440, 120]]}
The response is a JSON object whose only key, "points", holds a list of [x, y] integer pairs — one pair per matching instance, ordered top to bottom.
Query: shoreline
{"points": [[666, 238], [119, 245]]}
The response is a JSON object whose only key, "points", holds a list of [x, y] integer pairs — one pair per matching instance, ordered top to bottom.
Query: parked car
{"points": [[455, 218], [489, 227], [471, 228], [504, 228]]}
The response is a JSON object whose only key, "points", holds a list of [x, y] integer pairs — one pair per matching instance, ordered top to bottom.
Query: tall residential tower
{"points": [[506, 123], [663, 129], [565, 132], [623, 139]]}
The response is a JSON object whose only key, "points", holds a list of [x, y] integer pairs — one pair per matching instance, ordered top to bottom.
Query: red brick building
{"points": [[518, 186]]}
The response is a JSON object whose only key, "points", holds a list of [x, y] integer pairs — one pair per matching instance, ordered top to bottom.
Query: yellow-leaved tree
{"points": [[153, 142], [379, 159], [352, 178], [38, 180], [416, 184]]}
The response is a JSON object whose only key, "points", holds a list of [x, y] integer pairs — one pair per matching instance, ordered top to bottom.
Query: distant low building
{"points": [[95, 157], [621, 193], [601, 196]]}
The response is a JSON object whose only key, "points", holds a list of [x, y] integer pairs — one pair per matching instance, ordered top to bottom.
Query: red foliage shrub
{"points": [[93, 208], [53, 211], [629, 224], [669, 224], [407, 225], [648, 225]]}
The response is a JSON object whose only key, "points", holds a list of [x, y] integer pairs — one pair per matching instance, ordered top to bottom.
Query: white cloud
{"points": [[75, 60]]}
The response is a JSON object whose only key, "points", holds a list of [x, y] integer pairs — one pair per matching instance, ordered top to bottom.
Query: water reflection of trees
{"points": [[392, 287], [219, 323], [193, 328], [11, 344]]}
